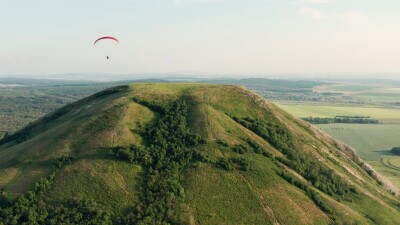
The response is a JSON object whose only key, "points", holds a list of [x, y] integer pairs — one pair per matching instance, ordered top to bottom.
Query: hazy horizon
{"points": [[219, 38], [110, 77]]}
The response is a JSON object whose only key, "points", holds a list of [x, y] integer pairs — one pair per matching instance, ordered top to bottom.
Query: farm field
{"points": [[350, 87], [357, 87], [379, 94], [382, 97], [306, 109], [371, 141], [389, 172]]}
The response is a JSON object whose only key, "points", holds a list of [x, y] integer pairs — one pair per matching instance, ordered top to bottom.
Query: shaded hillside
{"points": [[184, 154]]}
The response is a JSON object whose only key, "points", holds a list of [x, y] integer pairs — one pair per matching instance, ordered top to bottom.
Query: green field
{"points": [[354, 87], [351, 88], [373, 93], [382, 97], [302, 109], [371, 141]]}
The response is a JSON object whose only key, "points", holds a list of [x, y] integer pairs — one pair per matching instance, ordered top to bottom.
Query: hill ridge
{"points": [[185, 154]]}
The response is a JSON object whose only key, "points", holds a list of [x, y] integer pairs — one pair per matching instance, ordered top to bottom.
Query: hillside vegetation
{"points": [[23, 100], [184, 154]]}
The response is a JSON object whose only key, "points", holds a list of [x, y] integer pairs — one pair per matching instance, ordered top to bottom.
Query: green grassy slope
{"points": [[209, 154]]}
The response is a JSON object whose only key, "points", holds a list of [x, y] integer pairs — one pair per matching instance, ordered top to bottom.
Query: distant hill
{"points": [[184, 154]]}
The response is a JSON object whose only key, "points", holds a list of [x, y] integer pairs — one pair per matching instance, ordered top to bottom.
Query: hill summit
{"points": [[184, 154]]}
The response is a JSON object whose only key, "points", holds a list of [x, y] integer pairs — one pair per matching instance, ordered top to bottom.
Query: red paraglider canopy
{"points": [[106, 37]]}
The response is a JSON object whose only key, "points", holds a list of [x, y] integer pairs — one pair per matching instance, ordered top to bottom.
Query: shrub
{"points": [[222, 143], [256, 147], [241, 149], [123, 153], [200, 156], [63, 160], [241, 163], [225, 164], [313, 195]]}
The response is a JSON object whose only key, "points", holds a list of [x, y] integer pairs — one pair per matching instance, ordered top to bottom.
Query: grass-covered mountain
{"points": [[184, 154]]}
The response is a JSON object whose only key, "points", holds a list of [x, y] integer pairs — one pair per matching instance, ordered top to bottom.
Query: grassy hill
{"points": [[184, 154]]}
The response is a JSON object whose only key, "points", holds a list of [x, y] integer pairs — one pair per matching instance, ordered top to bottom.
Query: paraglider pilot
{"points": [[106, 37]]}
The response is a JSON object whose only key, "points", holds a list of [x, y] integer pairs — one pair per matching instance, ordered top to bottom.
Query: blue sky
{"points": [[237, 37]]}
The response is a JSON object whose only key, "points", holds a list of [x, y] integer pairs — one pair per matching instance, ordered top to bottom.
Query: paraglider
{"points": [[105, 38]]}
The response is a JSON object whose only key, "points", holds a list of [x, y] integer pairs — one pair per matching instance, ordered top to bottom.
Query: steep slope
{"points": [[184, 154]]}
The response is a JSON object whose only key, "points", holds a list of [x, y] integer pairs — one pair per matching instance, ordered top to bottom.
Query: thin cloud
{"points": [[196, 1], [315, 1], [312, 13], [352, 16], [348, 17], [142, 55], [11, 60]]}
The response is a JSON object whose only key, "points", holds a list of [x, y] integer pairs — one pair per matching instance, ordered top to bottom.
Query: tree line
{"points": [[341, 119], [395, 150], [164, 159]]}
